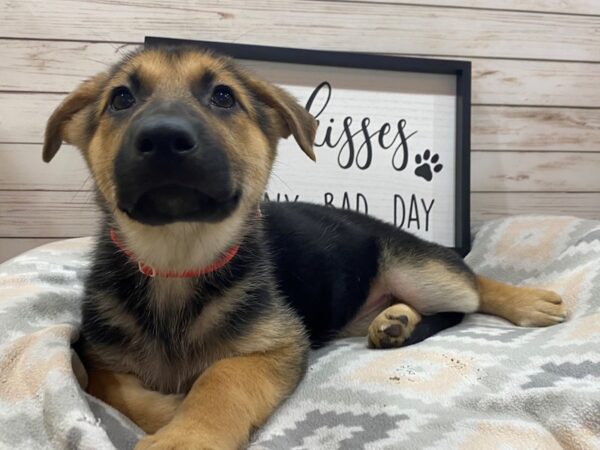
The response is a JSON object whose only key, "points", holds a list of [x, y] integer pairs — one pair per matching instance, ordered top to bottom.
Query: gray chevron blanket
{"points": [[482, 384]]}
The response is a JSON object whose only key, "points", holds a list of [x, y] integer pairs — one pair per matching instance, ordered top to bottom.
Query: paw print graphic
{"points": [[424, 165]]}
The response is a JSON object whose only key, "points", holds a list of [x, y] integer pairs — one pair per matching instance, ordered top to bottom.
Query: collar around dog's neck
{"points": [[152, 272]]}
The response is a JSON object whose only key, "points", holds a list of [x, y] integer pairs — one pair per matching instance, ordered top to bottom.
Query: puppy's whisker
{"points": [[282, 181]]}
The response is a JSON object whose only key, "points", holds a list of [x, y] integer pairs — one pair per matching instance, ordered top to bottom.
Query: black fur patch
{"points": [[207, 80], [134, 81], [202, 88], [91, 121], [264, 123], [325, 260], [324, 264], [99, 331]]}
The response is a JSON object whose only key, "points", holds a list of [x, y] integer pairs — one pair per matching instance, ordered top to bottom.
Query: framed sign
{"points": [[393, 140]]}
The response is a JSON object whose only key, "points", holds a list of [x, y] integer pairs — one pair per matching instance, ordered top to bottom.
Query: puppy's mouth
{"points": [[177, 203]]}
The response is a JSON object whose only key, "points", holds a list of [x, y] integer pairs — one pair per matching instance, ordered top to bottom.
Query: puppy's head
{"points": [[178, 135]]}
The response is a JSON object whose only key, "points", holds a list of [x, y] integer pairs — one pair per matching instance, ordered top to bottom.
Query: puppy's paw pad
{"points": [[403, 319], [392, 327], [393, 331]]}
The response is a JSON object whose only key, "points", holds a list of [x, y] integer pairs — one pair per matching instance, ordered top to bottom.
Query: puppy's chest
{"points": [[167, 338], [163, 371], [166, 371]]}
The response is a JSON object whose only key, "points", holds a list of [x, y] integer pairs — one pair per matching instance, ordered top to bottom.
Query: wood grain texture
{"points": [[585, 7], [385, 28], [54, 66], [541, 83], [23, 117], [525, 128], [23, 169], [532, 171], [488, 206], [27, 214], [36, 214], [10, 247]]}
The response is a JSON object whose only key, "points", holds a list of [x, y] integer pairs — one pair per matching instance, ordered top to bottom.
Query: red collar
{"points": [[152, 272]]}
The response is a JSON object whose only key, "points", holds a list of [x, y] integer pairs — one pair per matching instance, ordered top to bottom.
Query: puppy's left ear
{"points": [[296, 119], [65, 124]]}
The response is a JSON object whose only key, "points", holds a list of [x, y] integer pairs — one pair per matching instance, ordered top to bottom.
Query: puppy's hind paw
{"points": [[541, 308], [393, 326]]}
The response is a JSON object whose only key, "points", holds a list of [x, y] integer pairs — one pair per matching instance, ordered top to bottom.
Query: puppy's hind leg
{"points": [[429, 278], [432, 279], [428, 283], [430, 286], [524, 306]]}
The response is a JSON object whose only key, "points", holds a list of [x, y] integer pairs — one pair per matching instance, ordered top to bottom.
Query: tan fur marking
{"points": [[295, 120], [66, 123], [179, 246], [428, 286], [523, 306], [212, 313], [231, 398], [150, 410]]}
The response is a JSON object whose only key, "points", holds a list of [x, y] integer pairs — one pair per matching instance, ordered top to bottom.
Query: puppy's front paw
{"points": [[393, 326], [179, 437]]}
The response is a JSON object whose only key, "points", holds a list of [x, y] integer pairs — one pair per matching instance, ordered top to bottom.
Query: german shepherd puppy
{"points": [[201, 302]]}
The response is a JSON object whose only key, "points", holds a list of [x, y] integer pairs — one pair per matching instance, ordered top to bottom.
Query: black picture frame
{"points": [[459, 68]]}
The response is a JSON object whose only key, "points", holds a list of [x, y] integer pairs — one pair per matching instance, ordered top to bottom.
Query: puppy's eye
{"points": [[222, 97], [122, 98]]}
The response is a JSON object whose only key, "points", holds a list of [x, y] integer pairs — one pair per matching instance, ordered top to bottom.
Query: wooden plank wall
{"points": [[536, 88]]}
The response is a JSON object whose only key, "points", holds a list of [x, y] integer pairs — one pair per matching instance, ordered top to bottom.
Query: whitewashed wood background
{"points": [[536, 88]]}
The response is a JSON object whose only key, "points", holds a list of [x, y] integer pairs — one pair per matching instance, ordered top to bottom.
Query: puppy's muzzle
{"points": [[171, 167]]}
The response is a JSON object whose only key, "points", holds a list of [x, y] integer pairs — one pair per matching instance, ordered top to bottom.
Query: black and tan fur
{"points": [[200, 362]]}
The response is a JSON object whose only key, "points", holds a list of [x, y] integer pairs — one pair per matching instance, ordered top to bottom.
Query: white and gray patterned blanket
{"points": [[482, 384]]}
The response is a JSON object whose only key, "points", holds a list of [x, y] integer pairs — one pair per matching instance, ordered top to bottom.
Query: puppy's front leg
{"points": [[228, 400], [150, 410]]}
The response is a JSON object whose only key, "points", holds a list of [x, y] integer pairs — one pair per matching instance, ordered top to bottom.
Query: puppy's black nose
{"points": [[165, 135]]}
